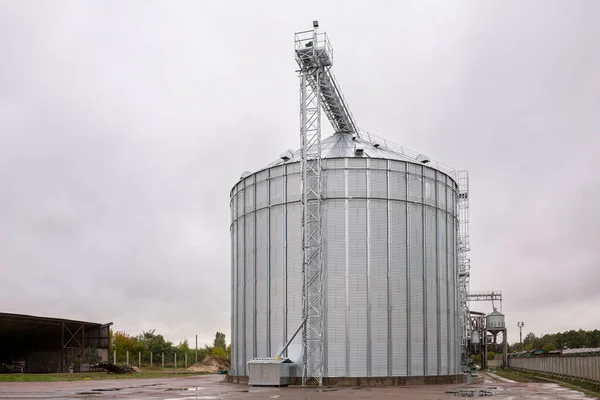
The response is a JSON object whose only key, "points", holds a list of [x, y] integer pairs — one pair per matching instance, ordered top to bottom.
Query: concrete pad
{"points": [[209, 387]]}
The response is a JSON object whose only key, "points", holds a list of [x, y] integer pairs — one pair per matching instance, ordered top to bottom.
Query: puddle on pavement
{"points": [[107, 390], [86, 393], [471, 393], [193, 398]]}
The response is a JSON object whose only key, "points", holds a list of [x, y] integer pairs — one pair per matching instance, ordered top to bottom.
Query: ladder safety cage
{"points": [[464, 263]]}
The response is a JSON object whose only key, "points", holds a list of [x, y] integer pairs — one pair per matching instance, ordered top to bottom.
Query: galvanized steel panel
{"points": [[336, 163], [357, 163], [377, 164], [398, 166], [293, 168], [415, 169], [276, 171], [429, 173], [262, 175], [440, 177], [249, 180], [335, 183], [357, 183], [378, 183], [397, 186], [293, 188], [415, 188], [276, 190], [262, 194], [430, 195], [441, 195], [248, 199], [450, 200], [240, 203], [233, 208], [262, 243], [276, 263], [241, 265], [295, 277], [398, 282], [357, 283], [432, 289], [249, 291], [335, 291], [378, 293], [443, 294], [451, 296], [234, 299], [456, 299], [417, 332]]}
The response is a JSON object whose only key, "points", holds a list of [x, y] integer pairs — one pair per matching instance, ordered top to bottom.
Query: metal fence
{"points": [[162, 360], [494, 363], [585, 368]]}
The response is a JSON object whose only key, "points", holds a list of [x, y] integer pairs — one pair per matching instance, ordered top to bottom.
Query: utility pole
{"points": [[520, 325], [196, 349]]}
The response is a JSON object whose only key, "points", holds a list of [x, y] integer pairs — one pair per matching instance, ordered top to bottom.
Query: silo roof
{"points": [[343, 145]]}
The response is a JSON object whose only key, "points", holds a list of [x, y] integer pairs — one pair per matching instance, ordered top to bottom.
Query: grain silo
{"points": [[390, 241]]}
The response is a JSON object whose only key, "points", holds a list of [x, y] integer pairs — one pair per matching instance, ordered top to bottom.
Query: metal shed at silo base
{"points": [[390, 266]]}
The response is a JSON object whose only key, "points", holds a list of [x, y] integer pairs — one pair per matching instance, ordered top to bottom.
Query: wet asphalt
{"points": [[213, 387]]}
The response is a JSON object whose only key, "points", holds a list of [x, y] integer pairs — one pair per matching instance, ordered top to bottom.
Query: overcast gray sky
{"points": [[124, 124]]}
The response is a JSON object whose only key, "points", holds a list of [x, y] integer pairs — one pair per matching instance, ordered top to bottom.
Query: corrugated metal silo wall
{"points": [[390, 268]]}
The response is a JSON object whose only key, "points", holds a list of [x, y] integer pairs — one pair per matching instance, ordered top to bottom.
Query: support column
{"points": [[62, 347]]}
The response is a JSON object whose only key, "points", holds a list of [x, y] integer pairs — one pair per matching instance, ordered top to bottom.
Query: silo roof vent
{"points": [[359, 149], [287, 155], [422, 158], [245, 174]]}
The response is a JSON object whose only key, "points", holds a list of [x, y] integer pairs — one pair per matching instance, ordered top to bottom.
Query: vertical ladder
{"points": [[464, 267]]}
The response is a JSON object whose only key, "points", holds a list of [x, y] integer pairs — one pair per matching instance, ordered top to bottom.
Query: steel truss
{"points": [[314, 60], [492, 296], [73, 339]]}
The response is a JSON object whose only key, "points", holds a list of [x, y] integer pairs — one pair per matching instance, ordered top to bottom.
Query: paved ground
{"points": [[213, 387]]}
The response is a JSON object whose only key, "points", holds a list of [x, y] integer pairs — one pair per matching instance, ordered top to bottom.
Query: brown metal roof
{"points": [[47, 320]]}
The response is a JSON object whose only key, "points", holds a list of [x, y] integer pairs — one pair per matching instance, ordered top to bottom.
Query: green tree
{"points": [[529, 338], [219, 341], [153, 343], [548, 347]]}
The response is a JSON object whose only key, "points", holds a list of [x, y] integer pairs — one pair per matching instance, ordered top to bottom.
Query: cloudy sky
{"points": [[123, 126]]}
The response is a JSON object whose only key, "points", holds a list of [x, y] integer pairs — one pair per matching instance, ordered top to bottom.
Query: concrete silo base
{"points": [[371, 381]]}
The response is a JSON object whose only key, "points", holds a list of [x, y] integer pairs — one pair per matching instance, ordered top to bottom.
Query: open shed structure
{"points": [[45, 344]]}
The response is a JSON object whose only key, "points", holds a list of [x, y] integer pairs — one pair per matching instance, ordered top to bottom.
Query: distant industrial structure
{"points": [[349, 255], [487, 330], [42, 344]]}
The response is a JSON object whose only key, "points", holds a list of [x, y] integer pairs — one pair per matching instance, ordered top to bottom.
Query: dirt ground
{"points": [[212, 387]]}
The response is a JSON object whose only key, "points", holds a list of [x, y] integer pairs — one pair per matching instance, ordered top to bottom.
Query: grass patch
{"points": [[512, 375], [83, 376], [590, 389]]}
